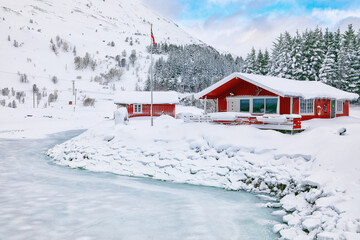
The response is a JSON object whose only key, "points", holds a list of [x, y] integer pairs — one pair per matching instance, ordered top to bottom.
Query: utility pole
{"points": [[151, 79], [73, 87], [34, 91], [33, 98], [75, 99]]}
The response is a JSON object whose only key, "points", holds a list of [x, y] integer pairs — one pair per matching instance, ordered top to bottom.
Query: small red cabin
{"points": [[259, 95], [138, 103]]}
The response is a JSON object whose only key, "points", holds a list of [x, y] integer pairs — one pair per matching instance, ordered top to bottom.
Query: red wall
{"points": [[237, 87], [222, 105], [285, 105], [296, 105], [158, 110], [321, 113]]}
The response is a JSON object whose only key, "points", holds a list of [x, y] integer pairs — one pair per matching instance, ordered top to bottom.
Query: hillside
{"points": [[40, 40]]}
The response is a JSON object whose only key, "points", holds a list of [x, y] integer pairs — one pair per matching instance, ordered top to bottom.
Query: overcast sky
{"points": [[237, 25]]}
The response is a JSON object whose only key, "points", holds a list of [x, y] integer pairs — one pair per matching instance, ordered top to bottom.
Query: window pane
{"points": [[244, 105], [258, 105], [271, 105], [302, 106], [310, 106], [339, 106], [137, 108]]}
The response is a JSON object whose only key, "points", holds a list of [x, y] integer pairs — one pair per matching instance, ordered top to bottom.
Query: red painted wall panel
{"points": [[240, 87], [222, 105], [284, 105], [296, 105], [322, 108], [158, 110]]}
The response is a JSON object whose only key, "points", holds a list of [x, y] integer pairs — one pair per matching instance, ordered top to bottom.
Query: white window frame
{"points": [[251, 98], [339, 103], [250, 104], [306, 107], [135, 108]]}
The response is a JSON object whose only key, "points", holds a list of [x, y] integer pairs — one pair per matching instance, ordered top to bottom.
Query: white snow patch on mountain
{"points": [[41, 38]]}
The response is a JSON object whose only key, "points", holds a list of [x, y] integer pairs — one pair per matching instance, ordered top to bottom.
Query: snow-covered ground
{"points": [[40, 122], [315, 174]]}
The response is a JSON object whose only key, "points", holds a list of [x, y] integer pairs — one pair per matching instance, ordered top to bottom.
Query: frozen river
{"points": [[40, 200]]}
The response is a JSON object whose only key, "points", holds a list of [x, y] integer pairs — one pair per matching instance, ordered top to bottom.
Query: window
{"points": [[244, 105], [258, 105], [271, 105], [306, 106], [339, 106], [137, 108]]}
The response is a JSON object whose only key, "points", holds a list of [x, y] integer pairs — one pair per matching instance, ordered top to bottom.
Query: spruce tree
{"points": [[250, 62], [327, 73]]}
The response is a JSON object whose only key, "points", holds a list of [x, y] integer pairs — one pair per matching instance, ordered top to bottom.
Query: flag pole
{"points": [[151, 79]]}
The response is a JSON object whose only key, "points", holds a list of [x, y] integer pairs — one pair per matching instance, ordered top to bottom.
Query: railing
{"points": [[197, 118], [290, 122]]}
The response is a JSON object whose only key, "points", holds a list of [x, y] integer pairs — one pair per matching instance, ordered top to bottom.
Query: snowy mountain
{"points": [[41, 39]]}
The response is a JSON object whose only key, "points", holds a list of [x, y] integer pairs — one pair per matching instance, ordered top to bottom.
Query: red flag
{"points": [[152, 36]]}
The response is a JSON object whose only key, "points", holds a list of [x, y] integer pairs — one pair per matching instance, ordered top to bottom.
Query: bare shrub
{"points": [[65, 47], [54, 48], [133, 56], [84, 62], [123, 62], [113, 74], [23, 78], [54, 79], [5, 91], [20, 95], [53, 97], [89, 102]]}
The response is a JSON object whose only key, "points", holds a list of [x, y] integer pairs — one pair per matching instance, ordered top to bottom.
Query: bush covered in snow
{"points": [[89, 102]]}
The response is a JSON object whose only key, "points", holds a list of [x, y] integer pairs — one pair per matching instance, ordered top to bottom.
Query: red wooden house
{"points": [[259, 95], [138, 103]]}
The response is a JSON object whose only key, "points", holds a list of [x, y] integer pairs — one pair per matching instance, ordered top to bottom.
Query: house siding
{"points": [[158, 110]]}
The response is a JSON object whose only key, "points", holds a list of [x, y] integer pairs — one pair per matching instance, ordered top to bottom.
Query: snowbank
{"points": [[315, 174]]}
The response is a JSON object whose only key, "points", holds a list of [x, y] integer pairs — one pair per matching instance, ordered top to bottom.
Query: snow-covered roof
{"points": [[286, 87], [144, 97]]}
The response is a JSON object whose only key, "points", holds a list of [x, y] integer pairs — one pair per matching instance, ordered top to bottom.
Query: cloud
{"points": [[335, 18], [239, 33]]}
